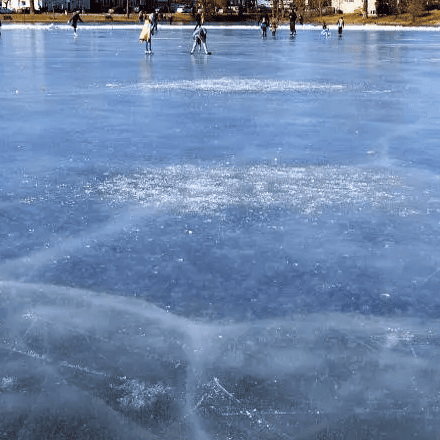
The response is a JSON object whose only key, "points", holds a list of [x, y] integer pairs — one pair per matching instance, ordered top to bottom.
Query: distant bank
{"points": [[431, 19]]}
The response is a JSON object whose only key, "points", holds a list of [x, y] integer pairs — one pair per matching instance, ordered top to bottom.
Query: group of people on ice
{"points": [[273, 22], [326, 31], [199, 34]]}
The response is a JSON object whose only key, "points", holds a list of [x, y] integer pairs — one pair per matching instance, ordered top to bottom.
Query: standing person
{"points": [[292, 19], [74, 21], [198, 21], [154, 22], [341, 24], [264, 25], [273, 25], [325, 30], [146, 32], [199, 36]]}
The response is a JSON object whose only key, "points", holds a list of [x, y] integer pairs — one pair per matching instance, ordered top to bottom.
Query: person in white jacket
{"points": [[146, 33], [199, 36]]}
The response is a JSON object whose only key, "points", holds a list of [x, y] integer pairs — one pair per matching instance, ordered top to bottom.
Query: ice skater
{"points": [[292, 20], [74, 21], [154, 22], [341, 24], [264, 25], [274, 25], [325, 30], [146, 33], [199, 36]]}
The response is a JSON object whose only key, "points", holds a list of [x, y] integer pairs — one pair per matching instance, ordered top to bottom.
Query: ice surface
{"points": [[237, 85], [309, 190], [241, 246], [295, 377]]}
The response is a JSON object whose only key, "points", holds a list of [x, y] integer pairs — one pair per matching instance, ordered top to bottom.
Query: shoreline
{"points": [[429, 21], [310, 27]]}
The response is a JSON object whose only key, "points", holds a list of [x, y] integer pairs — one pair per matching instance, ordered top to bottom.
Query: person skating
{"points": [[153, 19], [292, 20], [74, 21], [198, 21], [341, 24], [264, 25], [274, 25], [325, 30], [146, 32], [199, 36]]}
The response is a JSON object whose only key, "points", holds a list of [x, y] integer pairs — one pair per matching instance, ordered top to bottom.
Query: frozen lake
{"points": [[236, 246]]}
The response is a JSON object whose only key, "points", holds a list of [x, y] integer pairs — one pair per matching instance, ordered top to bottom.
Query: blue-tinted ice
{"points": [[236, 246]]}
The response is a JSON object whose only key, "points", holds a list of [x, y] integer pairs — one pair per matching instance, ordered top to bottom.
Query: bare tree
{"points": [[32, 6], [275, 8], [416, 8]]}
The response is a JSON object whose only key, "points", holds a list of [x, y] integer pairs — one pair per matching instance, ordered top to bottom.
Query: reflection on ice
{"points": [[306, 189], [92, 366]]}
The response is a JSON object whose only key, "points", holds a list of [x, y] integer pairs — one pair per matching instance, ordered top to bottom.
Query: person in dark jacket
{"points": [[74, 20], [292, 20], [341, 24], [264, 25]]}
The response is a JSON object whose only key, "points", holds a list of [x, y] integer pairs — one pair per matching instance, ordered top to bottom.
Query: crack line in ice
{"points": [[306, 189]]}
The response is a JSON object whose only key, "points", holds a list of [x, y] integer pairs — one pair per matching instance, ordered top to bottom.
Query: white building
{"points": [[22, 4], [69, 5], [349, 6]]}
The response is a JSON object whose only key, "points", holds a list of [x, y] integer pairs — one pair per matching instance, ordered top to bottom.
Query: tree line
{"points": [[415, 8]]}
